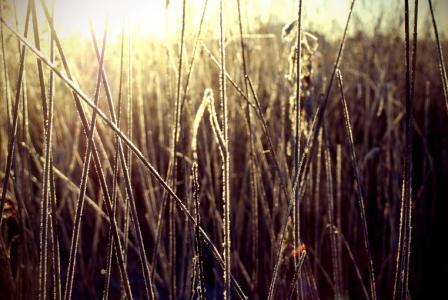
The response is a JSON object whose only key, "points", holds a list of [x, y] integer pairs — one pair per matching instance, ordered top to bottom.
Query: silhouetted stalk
{"points": [[442, 67], [6, 86], [15, 117], [297, 133], [226, 160], [116, 170], [252, 170], [299, 181], [83, 184], [359, 192], [131, 200], [44, 206], [405, 228], [198, 242], [296, 276], [337, 279]]}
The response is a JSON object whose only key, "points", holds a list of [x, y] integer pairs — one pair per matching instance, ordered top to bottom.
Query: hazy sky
{"points": [[326, 14], [149, 15]]}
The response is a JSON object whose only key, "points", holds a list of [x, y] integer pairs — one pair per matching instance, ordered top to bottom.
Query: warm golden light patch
{"points": [[146, 17]]}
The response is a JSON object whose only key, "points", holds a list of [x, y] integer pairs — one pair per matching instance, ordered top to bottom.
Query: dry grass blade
{"points": [[193, 55], [442, 68], [6, 84], [13, 129], [297, 132], [96, 158], [173, 160], [226, 160], [116, 162], [124, 165], [252, 166], [303, 166], [83, 185], [359, 192], [44, 205], [405, 227], [198, 242], [353, 260], [56, 264], [337, 275], [296, 276]]}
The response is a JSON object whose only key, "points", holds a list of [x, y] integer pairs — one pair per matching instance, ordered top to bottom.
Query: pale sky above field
{"points": [[148, 17]]}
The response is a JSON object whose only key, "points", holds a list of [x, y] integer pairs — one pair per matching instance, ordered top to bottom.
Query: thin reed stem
{"points": [[15, 115], [226, 160], [116, 162], [83, 184], [359, 192], [330, 212], [405, 227], [143, 259]]}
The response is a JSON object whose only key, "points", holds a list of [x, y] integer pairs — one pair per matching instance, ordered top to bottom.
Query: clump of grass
{"points": [[256, 197]]}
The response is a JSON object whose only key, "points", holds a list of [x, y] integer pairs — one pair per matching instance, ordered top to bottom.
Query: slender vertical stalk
{"points": [[442, 68], [5, 73], [77, 96], [15, 116], [130, 120], [297, 133], [226, 159], [305, 160], [173, 162], [252, 166], [116, 170], [83, 185], [359, 192], [131, 200], [44, 207], [330, 212], [338, 222], [405, 228], [198, 241], [56, 260], [296, 276]]}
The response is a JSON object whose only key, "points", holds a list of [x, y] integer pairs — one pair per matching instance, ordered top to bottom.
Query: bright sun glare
{"points": [[144, 16], [161, 18]]}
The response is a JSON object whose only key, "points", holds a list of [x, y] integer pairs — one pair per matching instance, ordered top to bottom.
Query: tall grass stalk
{"points": [[442, 67], [6, 84], [15, 115], [85, 124], [297, 132], [173, 159], [226, 160], [252, 165], [116, 168], [83, 184], [298, 184], [128, 185], [359, 191], [44, 205], [405, 227], [198, 242], [56, 262], [298, 268], [337, 276]]}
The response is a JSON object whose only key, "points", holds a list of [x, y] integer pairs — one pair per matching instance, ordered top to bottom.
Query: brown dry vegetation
{"points": [[323, 254]]}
